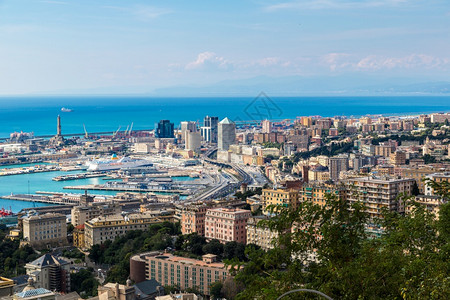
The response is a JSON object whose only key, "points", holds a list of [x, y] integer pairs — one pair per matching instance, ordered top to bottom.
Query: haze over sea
{"points": [[38, 114]]}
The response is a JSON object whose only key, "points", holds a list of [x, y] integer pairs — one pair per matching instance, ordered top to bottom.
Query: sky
{"points": [[100, 46]]}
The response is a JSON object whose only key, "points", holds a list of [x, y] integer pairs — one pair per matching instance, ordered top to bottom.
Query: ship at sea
{"points": [[65, 109], [115, 163], [7, 217]]}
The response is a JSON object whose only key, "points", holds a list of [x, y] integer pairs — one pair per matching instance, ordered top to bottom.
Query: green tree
{"points": [[328, 249], [216, 290]]}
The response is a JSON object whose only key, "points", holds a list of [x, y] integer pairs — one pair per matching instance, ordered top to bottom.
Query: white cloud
{"points": [[208, 60], [336, 61], [344, 61], [411, 61]]}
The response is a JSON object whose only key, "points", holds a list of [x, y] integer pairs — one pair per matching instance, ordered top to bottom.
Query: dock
{"points": [[29, 170], [78, 176], [94, 187], [41, 198]]}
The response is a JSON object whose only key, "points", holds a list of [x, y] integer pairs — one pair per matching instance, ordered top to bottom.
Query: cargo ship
{"points": [[115, 163]]}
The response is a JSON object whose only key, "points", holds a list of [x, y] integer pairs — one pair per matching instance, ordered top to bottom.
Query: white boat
{"points": [[65, 109], [114, 163]]}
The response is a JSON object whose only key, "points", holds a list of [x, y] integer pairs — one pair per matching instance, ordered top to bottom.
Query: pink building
{"points": [[227, 224], [178, 271]]}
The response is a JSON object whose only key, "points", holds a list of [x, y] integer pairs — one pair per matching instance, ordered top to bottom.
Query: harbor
{"points": [[79, 176], [123, 188]]}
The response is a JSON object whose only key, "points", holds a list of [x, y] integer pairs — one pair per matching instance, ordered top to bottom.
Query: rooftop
{"points": [[47, 260], [187, 261], [34, 293]]}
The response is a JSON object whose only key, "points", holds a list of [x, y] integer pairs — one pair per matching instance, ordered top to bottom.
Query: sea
{"points": [[100, 114]]}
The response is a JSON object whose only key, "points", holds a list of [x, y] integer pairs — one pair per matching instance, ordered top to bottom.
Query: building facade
{"points": [[164, 130], [226, 134], [337, 165], [378, 193], [279, 197], [81, 214], [193, 219], [227, 224], [103, 228], [46, 229], [259, 234], [178, 271]]}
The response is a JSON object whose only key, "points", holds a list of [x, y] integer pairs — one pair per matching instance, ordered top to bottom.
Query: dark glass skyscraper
{"points": [[164, 130]]}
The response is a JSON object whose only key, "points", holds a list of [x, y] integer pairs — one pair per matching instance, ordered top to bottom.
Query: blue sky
{"points": [[130, 46]]}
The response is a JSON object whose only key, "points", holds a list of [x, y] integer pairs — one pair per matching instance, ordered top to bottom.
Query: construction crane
{"points": [[126, 130]]}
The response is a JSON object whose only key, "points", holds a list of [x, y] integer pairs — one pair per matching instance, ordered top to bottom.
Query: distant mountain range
{"points": [[344, 85], [297, 86]]}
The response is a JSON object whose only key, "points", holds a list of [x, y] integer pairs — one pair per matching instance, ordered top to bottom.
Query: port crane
{"points": [[115, 133], [86, 136]]}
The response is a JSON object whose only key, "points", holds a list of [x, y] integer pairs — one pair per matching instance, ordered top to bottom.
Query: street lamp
{"points": [[306, 290]]}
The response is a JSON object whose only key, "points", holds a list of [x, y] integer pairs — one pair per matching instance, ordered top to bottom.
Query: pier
{"points": [[28, 170], [78, 176], [94, 187], [40, 198]]}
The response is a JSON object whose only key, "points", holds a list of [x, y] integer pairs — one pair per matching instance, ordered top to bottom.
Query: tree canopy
{"points": [[329, 249]]}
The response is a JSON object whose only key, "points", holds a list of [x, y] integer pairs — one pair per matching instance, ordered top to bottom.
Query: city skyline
{"points": [[164, 48]]}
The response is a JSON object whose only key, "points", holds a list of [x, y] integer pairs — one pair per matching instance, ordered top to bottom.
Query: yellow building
{"points": [[418, 174], [317, 193], [280, 197], [78, 237]]}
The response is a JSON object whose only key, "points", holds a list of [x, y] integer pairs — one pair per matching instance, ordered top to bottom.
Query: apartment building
{"points": [[397, 158], [337, 165], [418, 173], [438, 178], [317, 193], [378, 193], [279, 197], [431, 203], [83, 213], [193, 219], [227, 224], [103, 228], [46, 229], [258, 234], [178, 271]]}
